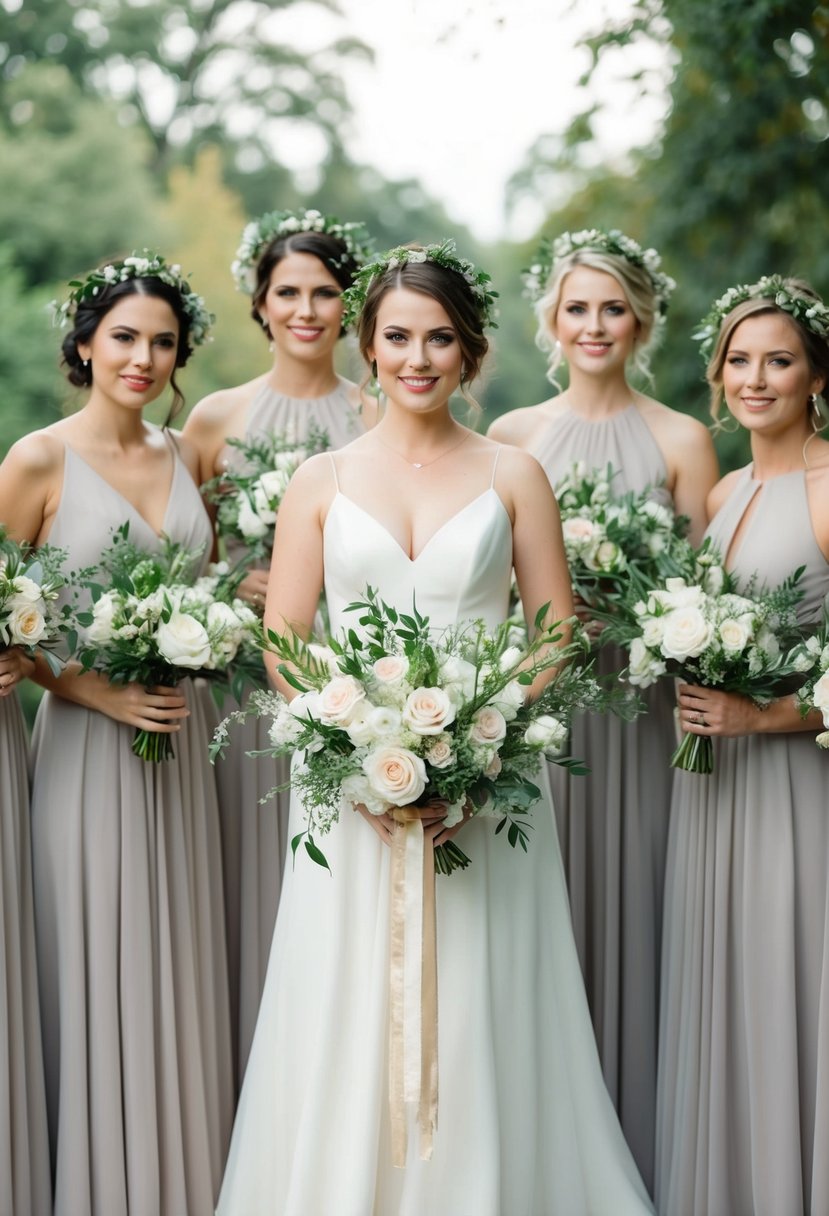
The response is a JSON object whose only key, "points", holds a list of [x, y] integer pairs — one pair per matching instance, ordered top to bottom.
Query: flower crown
{"points": [[259, 233], [613, 242], [442, 255], [144, 265], [812, 313]]}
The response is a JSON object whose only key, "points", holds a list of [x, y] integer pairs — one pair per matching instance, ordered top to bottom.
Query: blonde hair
{"points": [[638, 290]]}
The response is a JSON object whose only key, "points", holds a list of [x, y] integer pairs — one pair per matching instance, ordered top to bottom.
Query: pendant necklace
{"points": [[422, 464]]}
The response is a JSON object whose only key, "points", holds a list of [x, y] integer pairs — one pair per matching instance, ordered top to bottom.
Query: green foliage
{"points": [[32, 386]]}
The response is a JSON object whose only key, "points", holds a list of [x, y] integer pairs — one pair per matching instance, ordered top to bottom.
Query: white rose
{"points": [[269, 489], [248, 522], [579, 533], [713, 580], [26, 589], [678, 594], [103, 615], [27, 625], [652, 630], [687, 633], [734, 635], [183, 641], [390, 669], [643, 669], [458, 678], [820, 695], [339, 699], [510, 699], [306, 706], [428, 711], [488, 725], [546, 733], [822, 740], [440, 753], [396, 774]]}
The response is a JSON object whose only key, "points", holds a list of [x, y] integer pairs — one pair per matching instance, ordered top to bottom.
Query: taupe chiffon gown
{"points": [[613, 823], [254, 835], [130, 925], [743, 1098], [24, 1143]]}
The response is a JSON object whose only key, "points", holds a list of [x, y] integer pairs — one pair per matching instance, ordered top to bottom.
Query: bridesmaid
{"points": [[295, 266], [600, 308], [126, 854], [743, 1096], [24, 1142]]}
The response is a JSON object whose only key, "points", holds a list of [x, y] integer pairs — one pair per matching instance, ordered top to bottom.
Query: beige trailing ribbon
{"points": [[413, 982]]}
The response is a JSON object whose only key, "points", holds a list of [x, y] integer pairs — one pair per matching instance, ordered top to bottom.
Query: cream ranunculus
{"points": [[27, 625], [686, 634], [183, 641], [339, 699], [428, 711], [385, 723], [488, 725], [359, 728], [546, 733], [395, 774]]}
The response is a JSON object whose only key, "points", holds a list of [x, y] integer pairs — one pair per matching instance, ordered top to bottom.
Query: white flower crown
{"points": [[259, 233], [613, 241], [442, 254], [144, 265], [811, 312]]}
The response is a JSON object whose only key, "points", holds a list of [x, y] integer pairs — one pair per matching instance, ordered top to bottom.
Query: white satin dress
{"points": [[526, 1127]]}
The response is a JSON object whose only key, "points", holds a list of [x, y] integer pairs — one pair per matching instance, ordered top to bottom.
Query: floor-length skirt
{"points": [[613, 830], [132, 966], [525, 1125], [24, 1145]]}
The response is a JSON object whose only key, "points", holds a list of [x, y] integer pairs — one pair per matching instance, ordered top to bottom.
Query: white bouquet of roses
{"points": [[247, 497], [613, 540], [29, 584], [150, 623], [705, 633], [814, 692], [392, 715]]}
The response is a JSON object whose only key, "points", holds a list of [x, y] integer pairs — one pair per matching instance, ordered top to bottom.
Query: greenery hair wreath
{"points": [[259, 233], [612, 241], [443, 254], [143, 265], [811, 312]]}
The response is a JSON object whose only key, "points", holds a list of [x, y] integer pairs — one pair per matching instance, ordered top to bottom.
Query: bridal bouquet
{"points": [[247, 497], [614, 540], [29, 584], [151, 624], [705, 633], [814, 692], [392, 714]]}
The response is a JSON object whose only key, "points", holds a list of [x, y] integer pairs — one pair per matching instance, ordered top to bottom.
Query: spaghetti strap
{"points": [[495, 466], [334, 471]]}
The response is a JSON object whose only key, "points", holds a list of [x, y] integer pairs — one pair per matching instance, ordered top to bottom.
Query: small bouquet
{"points": [[247, 498], [612, 540], [29, 584], [151, 624], [705, 633], [814, 692], [392, 715]]}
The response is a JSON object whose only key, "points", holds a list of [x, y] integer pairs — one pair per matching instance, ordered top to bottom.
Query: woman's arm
{"points": [[709, 711]]}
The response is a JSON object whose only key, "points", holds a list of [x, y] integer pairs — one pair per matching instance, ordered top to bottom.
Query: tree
{"points": [[214, 70]]}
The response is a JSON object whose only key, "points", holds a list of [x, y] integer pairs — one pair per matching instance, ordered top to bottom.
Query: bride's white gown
{"points": [[525, 1125]]}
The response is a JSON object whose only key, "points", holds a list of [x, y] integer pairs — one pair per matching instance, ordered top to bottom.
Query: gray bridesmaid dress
{"points": [[613, 823], [254, 835], [130, 925], [743, 1096], [24, 1143]]}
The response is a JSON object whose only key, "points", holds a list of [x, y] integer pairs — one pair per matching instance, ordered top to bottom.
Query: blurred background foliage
{"points": [[126, 124]]}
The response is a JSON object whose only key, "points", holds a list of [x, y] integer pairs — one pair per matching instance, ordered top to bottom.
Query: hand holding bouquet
{"points": [[247, 497], [613, 541], [29, 584], [150, 624], [705, 633], [393, 714]]}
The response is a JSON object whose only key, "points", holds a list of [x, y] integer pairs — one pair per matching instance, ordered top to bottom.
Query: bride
{"points": [[421, 505]]}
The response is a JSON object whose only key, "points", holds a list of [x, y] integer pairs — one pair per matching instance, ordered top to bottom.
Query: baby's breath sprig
{"points": [[259, 233], [612, 241], [443, 254], [143, 265], [807, 309]]}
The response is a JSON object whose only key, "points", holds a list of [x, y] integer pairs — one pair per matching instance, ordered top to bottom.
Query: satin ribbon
{"points": [[413, 982]]}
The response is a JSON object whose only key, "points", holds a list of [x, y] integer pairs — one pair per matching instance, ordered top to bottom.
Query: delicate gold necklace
{"points": [[422, 464]]}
